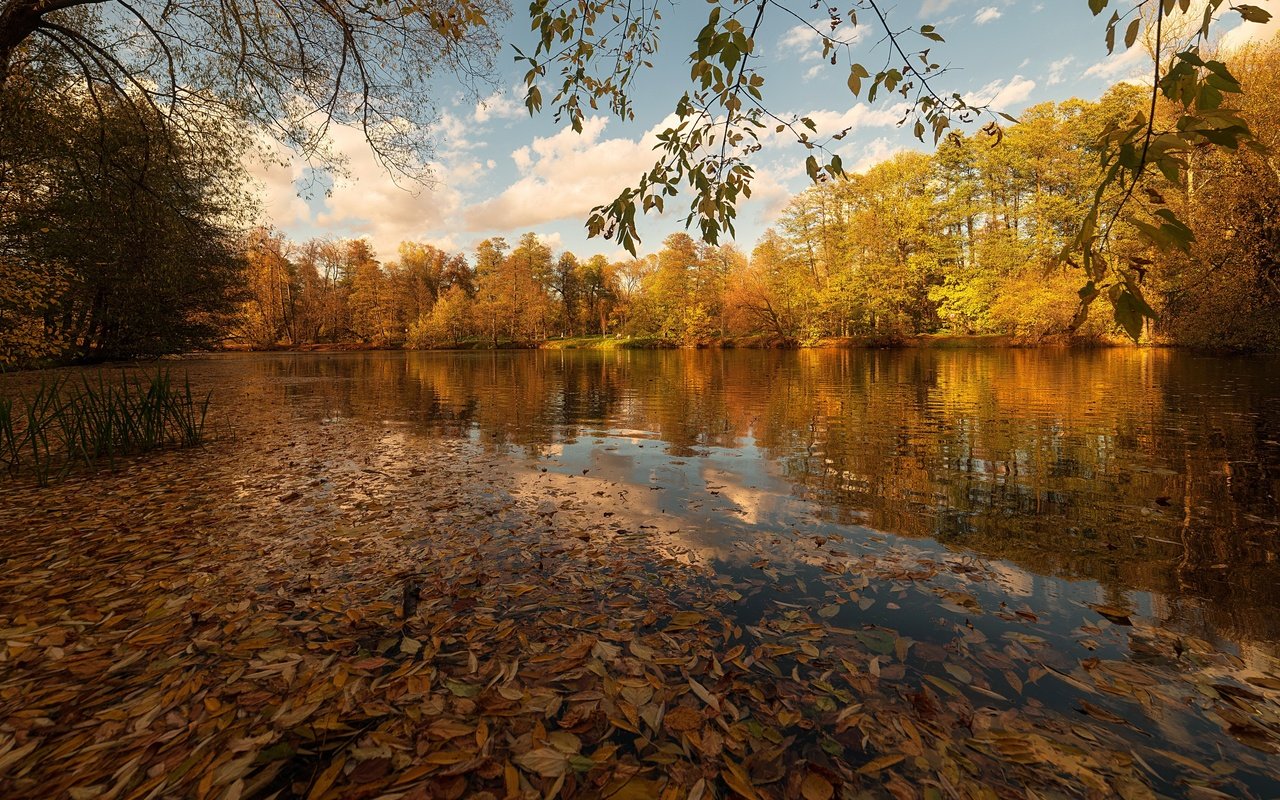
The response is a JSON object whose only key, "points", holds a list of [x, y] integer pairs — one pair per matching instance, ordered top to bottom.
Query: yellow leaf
{"points": [[686, 619], [877, 764], [326, 778], [737, 781]]}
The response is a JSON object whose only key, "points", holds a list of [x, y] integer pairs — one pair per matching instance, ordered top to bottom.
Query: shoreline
{"points": [[915, 342]]}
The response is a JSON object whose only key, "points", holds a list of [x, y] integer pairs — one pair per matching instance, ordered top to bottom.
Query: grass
{"points": [[608, 342], [65, 423]]}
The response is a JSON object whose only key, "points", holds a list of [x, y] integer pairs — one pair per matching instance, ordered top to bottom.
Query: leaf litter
{"points": [[339, 611]]}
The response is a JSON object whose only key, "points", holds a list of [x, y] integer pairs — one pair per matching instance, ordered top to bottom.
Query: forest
{"points": [[965, 240], [926, 488]]}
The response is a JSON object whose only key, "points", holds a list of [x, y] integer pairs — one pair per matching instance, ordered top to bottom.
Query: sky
{"points": [[499, 172]]}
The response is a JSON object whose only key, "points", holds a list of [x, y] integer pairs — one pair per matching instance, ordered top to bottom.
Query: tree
{"points": [[599, 50], [288, 68], [138, 232], [597, 280], [567, 289], [774, 292], [1224, 293], [29, 296], [492, 306], [373, 311], [270, 312], [448, 323]]}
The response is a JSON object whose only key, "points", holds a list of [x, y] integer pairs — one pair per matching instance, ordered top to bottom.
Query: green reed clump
{"points": [[66, 423]]}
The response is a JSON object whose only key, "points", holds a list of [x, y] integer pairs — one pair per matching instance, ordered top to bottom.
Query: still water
{"points": [[1148, 471], [1143, 483]]}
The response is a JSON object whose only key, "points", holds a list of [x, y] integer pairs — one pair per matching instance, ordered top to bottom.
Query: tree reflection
{"points": [[1147, 470]]}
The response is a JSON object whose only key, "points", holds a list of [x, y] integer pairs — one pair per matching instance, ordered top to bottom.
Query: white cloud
{"points": [[934, 7], [985, 15], [1248, 32], [805, 42], [1133, 63], [1057, 69], [1000, 94], [500, 105], [856, 117], [454, 134], [877, 152], [277, 175], [564, 176], [769, 195], [368, 202], [553, 241]]}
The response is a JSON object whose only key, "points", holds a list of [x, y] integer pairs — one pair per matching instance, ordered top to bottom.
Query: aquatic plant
{"points": [[65, 423]]}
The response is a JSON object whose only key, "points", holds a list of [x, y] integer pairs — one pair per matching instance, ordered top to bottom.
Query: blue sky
{"points": [[500, 173]]}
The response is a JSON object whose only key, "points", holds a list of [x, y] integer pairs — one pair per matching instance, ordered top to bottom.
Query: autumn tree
{"points": [[288, 69], [137, 232], [271, 282], [597, 282], [567, 290], [1224, 292], [774, 293], [492, 307], [373, 308], [448, 323]]}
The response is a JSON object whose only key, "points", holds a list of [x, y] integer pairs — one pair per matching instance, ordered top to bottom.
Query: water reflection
{"points": [[1138, 470]]}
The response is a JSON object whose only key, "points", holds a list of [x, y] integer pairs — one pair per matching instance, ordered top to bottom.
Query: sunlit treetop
{"points": [[593, 55], [293, 67]]}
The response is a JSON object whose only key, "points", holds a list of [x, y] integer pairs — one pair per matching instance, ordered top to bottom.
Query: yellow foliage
{"points": [[27, 293]]}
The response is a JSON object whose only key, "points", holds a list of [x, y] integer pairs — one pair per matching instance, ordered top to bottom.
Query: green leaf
{"points": [[811, 167]]}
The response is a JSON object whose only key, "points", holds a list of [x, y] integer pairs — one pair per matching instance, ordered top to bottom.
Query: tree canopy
{"points": [[294, 67]]}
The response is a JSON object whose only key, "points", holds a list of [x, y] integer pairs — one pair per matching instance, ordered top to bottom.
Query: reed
{"points": [[63, 424]]}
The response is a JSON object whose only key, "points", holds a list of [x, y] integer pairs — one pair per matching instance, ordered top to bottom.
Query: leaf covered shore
{"points": [[343, 611]]}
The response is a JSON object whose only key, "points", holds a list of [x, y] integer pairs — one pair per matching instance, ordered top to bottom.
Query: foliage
{"points": [[599, 51], [370, 66], [289, 70], [1196, 115], [722, 118], [121, 238], [322, 291], [1224, 292], [29, 295], [448, 323], [63, 423]]}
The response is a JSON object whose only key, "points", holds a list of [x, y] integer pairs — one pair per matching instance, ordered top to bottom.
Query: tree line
{"points": [[121, 237], [966, 240], [339, 292]]}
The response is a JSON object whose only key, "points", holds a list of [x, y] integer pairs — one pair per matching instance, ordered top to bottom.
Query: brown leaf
{"points": [[682, 718], [544, 761], [877, 764], [816, 787]]}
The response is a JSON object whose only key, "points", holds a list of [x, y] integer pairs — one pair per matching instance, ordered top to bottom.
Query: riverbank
{"points": [[939, 341]]}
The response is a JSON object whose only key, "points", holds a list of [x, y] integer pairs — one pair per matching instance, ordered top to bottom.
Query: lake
{"points": [[1149, 474], [1085, 538]]}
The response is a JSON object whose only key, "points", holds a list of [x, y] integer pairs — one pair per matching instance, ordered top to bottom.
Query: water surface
{"points": [[1147, 476], [1086, 539]]}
